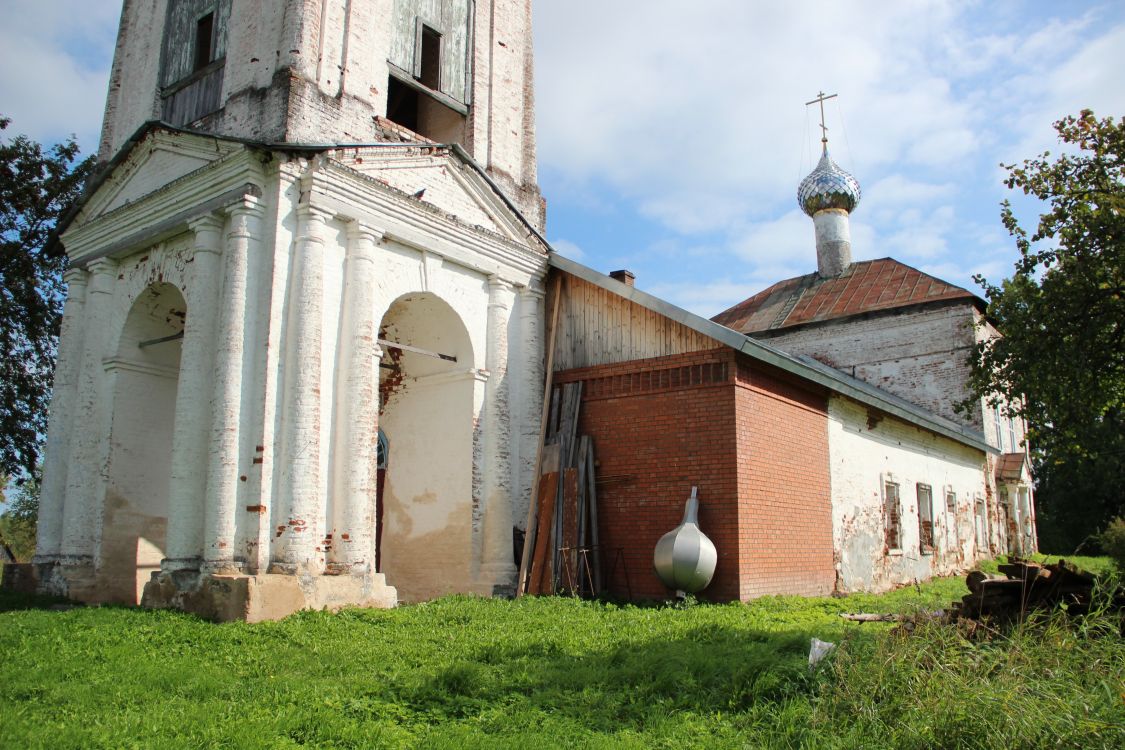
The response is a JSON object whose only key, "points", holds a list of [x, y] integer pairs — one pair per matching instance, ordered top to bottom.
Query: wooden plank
{"points": [[592, 504], [532, 508], [583, 525], [568, 560], [541, 574]]}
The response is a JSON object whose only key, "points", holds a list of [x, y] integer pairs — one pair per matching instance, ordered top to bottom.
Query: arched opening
{"points": [[143, 376], [427, 410]]}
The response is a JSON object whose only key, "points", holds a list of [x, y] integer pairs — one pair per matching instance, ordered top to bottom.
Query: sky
{"points": [[671, 141]]}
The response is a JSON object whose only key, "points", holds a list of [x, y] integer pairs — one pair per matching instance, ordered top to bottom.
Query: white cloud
{"points": [[55, 55], [568, 249]]}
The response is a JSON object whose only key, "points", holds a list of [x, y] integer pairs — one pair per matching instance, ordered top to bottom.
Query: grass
{"points": [[541, 673]]}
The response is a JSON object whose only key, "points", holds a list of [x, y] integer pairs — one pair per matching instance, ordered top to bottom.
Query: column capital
{"points": [[246, 205], [242, 212], [306, 212], [207, 222], [311, 222], [360, 230], [102, 273], [76, 277], [529, 291]]}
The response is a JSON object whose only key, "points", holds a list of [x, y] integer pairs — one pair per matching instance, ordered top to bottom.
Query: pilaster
{"points": [[357, 410], [223, 476], [85, 484], [52, 494], [300, 501], [184, 542], [497, 565]]}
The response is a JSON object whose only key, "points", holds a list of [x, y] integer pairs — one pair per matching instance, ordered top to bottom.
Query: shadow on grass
{"points": [[12, 601], [706, 671]]}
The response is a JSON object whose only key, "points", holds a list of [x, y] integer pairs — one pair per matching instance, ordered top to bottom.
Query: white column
{"points": [[529, 403], [357, 409], [56, 452], [301, 473], [85, 484], [188, 485], [221, 513], [497, 566]]}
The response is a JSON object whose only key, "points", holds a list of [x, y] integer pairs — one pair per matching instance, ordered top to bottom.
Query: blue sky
{"points": [[671, 142]]}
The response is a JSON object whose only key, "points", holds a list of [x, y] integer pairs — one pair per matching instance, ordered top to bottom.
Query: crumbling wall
{"points": [[919, 354], [867, 449]]}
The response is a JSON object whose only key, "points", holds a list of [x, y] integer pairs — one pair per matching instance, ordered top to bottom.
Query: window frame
{"points": [[892, 517], [923, 547]]}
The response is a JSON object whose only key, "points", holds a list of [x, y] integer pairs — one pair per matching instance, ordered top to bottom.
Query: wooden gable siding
{"points": [[598, 327]]}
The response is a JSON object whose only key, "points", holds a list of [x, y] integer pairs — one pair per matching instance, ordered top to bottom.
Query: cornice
{"points": [[354, 195], [167, 210]]}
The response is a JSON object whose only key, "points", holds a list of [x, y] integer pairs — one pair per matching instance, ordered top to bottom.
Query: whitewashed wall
{"points": [[864, 451]]}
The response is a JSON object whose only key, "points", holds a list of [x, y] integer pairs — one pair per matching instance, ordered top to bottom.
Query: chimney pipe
{"points": [[625, 277]]}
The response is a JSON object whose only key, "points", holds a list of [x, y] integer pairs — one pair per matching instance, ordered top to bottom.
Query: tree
{"points": [[36, 188], [1060, 363], [19, 519]]}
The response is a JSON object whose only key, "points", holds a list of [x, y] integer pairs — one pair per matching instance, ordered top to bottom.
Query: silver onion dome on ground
{"points": [[827, 186]]}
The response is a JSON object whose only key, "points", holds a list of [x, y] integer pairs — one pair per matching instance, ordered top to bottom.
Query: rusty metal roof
{"points": [[865, 286], [1010, 467]]}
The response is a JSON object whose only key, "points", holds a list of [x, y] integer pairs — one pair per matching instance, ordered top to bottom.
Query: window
{"points": [[204, 41], [192, 56], [428, 68], [999, 427], [1012, 445], [951, 502], [892, 517], [925, 518], [981, 525]]}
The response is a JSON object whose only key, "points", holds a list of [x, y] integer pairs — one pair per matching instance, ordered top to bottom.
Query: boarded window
{"points": [[425, 27], [192, 57], [892, 516], [925, 518], [981, 525]]}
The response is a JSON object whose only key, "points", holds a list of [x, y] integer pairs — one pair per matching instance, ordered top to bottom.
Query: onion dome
{"points": [[827, 186]]}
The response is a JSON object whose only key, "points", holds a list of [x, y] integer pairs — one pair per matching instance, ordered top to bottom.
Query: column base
{"points": [[72, 576], [497, 580], [271, 596]]}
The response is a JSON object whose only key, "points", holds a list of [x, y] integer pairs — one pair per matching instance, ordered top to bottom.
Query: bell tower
{"points": [[335, 72]]}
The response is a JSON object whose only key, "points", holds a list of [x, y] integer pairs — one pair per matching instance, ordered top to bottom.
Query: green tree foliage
{"points": [[36, 188], [1061, 360], [18, 521]]}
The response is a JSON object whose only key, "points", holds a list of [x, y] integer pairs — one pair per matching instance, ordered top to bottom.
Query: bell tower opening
{"points": [[429, 68]]}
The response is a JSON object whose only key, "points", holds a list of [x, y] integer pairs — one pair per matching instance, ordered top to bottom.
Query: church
{"points": [[311, 313]]}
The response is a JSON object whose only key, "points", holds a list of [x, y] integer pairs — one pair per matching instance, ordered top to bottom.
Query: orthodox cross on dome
{"points": [[821, 97]]}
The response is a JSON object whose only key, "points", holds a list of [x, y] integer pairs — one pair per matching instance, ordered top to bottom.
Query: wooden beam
{"points": [[161, 340], [416, 350], [532, 509]]}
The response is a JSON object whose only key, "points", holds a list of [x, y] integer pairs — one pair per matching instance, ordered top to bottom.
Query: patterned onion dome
{"points": [[827, 186]]}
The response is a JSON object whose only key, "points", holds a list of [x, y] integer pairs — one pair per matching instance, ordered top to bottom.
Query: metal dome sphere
{"points": [[827, 186]]}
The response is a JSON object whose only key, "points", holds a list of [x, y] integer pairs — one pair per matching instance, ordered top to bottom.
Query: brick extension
{"points": [[757, 448]]}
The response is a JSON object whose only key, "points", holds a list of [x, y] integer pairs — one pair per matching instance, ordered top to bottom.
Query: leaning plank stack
{"points": [[564, 555], [1027, 586]]}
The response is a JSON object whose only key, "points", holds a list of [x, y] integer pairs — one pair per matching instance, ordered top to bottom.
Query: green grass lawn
{"points": [[535, 673]]}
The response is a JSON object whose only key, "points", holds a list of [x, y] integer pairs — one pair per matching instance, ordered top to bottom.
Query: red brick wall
{"points": [[659, 427], [784, 498]]}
